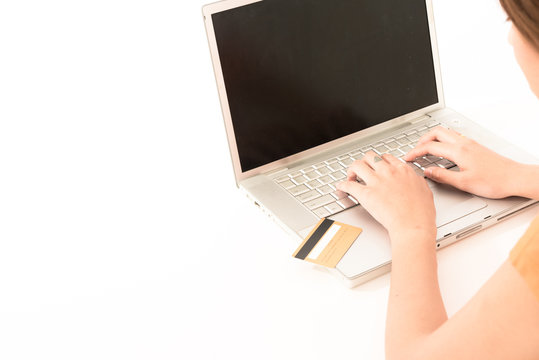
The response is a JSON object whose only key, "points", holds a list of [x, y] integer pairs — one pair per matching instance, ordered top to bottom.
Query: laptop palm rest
{"points": [[452, 204], [374, 249]]}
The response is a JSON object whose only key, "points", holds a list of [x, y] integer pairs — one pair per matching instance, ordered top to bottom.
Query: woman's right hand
{"points": [[482, 171]]}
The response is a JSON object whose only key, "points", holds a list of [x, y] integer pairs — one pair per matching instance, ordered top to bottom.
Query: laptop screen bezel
{"points": [[210, 9]]}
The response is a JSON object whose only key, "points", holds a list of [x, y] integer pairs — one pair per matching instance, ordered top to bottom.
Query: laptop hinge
{"points": [[421, 118]]}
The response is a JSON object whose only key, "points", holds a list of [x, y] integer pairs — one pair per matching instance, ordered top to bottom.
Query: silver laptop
{"points": [[309, 86]]}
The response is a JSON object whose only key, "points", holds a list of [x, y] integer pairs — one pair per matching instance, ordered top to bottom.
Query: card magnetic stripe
{"points": [[314, 239]]}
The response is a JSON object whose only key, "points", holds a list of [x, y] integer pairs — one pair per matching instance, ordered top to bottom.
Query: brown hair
{"points": [[524, 14]]}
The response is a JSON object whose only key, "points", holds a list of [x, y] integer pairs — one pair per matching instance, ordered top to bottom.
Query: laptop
{"points": [[309, 86]]}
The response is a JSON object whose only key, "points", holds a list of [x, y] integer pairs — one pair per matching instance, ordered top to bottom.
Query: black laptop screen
{"points": [[301, 73]]}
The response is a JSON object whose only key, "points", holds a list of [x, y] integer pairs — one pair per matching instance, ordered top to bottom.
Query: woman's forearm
{"points": [[526, 181], [415, 307]]}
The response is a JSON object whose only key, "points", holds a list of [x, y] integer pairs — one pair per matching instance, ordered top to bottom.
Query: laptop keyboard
{"points": [[315, 185]]}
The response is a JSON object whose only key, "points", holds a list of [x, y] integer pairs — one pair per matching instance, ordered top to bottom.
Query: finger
{"points": [[440, 134], [431, 148], [374, 160], [392, 160], [359, 169], [443, 176], [351, 187]]}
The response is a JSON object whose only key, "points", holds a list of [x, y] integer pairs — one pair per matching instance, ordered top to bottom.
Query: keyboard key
{"points": [[432, 124], [414, 137], [403, 141], [392, 145], [366, 149], [381, 149], [406, 149], [355, 153], [397, 153], [342, 157], [432, 158], [347, 162], [422, 162], [446, 164], [319, 165], [430, 165], [336, 167], [307, 169], [324, 170], [297, 173], [312, 175], [338, 175], [283, 178], [300, 179], [326, 179], [287, 184], [313, 184], [326, 189], [298, 190], [338, 195], [308, 196], [321, 201], [346, 203], [334, 208], [321, 212]]}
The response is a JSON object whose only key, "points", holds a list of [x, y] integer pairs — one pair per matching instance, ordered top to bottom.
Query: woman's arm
{"points": [[482, 171], [526, 182], [402, 202], [415, 307], [500, 322]]}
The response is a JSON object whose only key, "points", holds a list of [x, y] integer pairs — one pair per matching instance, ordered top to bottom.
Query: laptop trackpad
{"points": [[452, 204]]}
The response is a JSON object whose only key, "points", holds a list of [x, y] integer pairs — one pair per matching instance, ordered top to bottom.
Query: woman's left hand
{"points": [[393, 194]]}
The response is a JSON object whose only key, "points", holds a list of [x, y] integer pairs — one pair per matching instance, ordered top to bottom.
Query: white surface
{"points": [[112, 151]]}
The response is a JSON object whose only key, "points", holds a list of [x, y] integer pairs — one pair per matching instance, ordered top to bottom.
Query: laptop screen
{"points": [[301, 73]]}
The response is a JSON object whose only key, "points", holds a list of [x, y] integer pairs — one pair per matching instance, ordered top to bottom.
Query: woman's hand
{"points": [[482, 171], [393, 194]]}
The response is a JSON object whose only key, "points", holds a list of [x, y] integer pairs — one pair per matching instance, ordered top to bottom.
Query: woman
{"points": [[502, 320]]}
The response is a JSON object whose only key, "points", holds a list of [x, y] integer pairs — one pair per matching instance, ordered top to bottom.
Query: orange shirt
{"points": [[525, 257]]}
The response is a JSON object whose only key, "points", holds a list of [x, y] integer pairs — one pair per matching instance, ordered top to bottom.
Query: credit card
{"points": [[327, 243]]}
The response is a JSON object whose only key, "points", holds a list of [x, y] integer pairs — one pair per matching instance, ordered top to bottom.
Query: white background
{"points": [[122, 235]]}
